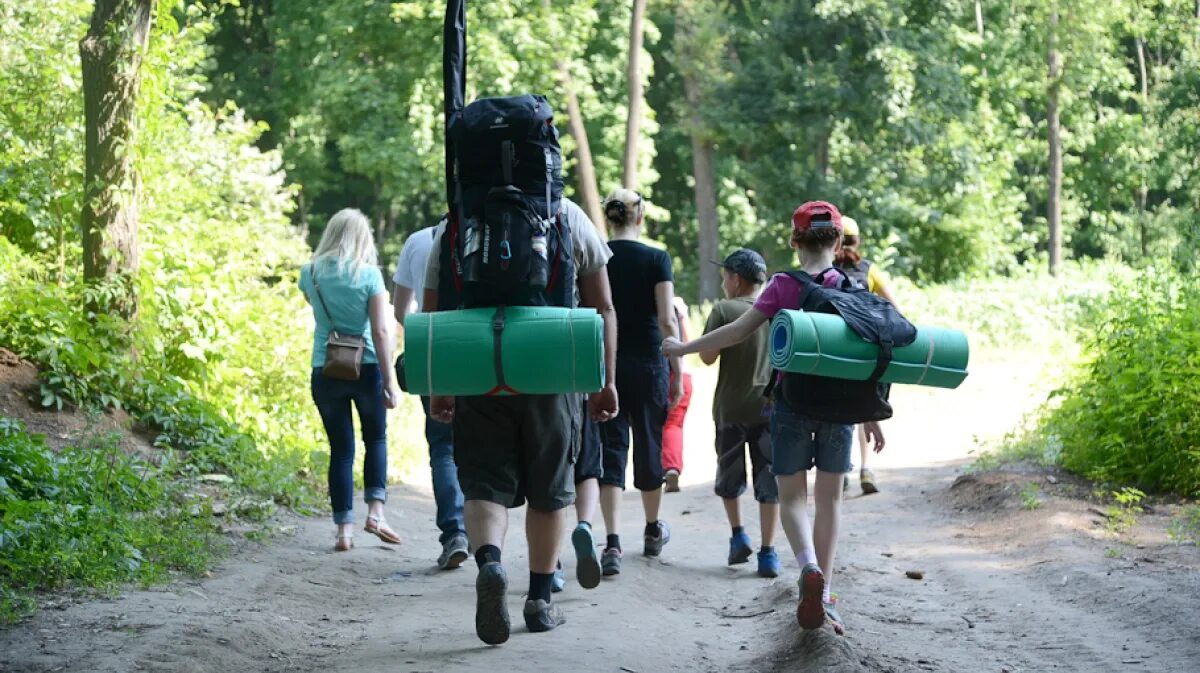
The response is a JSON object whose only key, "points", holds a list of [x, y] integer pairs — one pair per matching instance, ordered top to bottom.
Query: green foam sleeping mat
{"points": [[823, 344], [543, 350]]}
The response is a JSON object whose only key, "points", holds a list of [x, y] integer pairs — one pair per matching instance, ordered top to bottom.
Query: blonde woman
{"points": [[345, 288]]}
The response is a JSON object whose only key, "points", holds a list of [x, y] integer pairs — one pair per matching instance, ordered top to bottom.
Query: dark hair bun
{"points": [[616, 211]]}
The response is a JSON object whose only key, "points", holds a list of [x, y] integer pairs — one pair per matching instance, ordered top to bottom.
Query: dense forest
{"points": [[166, 165]]}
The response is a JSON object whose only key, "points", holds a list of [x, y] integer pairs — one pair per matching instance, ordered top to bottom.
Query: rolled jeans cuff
{"points": [[375, 493], [343, 517]]}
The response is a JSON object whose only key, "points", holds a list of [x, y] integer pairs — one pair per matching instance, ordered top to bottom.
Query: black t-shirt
{"points": [[633, 271]]}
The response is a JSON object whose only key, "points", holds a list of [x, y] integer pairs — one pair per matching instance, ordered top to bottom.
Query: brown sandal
{"points": [[376, 526], [345, 542]]}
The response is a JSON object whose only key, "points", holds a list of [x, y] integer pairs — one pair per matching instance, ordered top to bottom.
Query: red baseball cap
{"points": [[816, 215]]}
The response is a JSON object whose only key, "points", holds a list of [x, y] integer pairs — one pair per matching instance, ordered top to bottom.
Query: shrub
{"points": [[1128, 415], [89, 516]]}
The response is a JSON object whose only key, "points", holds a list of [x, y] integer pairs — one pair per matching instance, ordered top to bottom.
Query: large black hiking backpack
{"points": [[508, 242], [870, 316]]}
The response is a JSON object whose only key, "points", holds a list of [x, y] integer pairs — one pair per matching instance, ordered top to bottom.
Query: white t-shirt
{"points": [[414, 257]]}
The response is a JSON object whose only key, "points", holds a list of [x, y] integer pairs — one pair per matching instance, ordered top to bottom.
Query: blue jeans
{"points": [[333, 398], [799, 443], [446, 492]]}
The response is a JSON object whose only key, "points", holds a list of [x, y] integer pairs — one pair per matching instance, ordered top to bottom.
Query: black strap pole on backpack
{"points": [[454, 87]]}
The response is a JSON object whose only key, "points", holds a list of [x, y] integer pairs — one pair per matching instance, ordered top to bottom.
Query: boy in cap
{"points": [[740, 413]]}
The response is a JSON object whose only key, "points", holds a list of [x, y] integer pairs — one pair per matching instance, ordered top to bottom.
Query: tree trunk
{"points": [[979, 18], [111, 58], [1141, 58], [633, 122], [585, 169], [705, 179], [1054, 197]]}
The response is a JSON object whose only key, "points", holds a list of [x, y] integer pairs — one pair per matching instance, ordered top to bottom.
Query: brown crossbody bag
{"points": [[343, 352]]}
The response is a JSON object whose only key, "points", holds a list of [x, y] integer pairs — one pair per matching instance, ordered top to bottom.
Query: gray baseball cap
{"points": [[747, 264]]}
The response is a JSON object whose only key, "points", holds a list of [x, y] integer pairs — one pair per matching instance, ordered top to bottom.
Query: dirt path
{"points": [[1004, 589]]}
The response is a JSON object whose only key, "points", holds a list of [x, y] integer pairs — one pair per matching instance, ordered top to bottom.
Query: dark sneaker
{"points": [[866, 480], [672, 481], [655, 543], [739, 549], [454, 552], [610, 561], [768, 563], [587, 565], [559, 581], [810, 612], [541, 616], [832, 616], [492, 623]]}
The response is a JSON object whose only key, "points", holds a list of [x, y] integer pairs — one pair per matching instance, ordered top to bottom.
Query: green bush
{"points": [[1128, 415], [89, 516]]}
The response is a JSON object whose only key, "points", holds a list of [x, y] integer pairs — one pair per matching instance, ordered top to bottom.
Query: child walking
{"points": [[740, 413], [800, 443]]}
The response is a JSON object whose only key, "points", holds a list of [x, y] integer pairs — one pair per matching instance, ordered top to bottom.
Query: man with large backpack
{"points": [[512, 240]]}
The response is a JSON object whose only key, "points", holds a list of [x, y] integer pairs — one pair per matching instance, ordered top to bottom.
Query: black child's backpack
{"points": [[508, 241], [870, 316]]}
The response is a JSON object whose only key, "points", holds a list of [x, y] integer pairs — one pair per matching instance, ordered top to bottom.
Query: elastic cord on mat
{"points": [[816, 342], [429, 356], [928, 360], [574, 370]]}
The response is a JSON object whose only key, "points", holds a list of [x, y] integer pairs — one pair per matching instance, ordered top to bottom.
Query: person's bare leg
{"points": [[863, 451], [827, 494], [587, 495], [651, 502], [610, 507], [733, 512], [793, 512], [768, 514], [487, 523], [544, 532]]}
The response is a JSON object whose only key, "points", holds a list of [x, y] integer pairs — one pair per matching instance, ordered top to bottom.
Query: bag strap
{"points": [[317, 286], [498, 322]]}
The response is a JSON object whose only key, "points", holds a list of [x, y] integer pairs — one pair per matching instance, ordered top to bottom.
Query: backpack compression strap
{"points": [[498, 321]]}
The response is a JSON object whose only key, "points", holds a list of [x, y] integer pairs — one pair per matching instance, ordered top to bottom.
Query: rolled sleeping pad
{"points": [[823, 344], [544, 350]]}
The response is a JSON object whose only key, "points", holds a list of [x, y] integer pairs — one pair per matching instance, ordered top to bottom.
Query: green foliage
{"points": [[1129, 413], [1030, 496], [1122, 515], [90, 516], [1185, 526]]}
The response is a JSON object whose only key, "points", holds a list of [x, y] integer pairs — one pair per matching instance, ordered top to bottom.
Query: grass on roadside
{"points": [[91, 517]]}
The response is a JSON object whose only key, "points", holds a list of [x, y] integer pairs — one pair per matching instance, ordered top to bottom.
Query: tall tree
{"points": [[694, 47], [111, 55], [636, 94], [1054, 143], [586, 169]]}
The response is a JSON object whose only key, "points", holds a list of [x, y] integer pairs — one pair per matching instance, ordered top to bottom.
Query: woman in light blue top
{"points": [[345, 288]]}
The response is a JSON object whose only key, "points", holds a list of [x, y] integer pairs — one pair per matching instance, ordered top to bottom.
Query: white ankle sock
{"points": [[806, 556]]}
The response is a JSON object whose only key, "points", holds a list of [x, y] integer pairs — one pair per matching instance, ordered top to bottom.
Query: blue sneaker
{"points": [[739, 548], [768, 562], [587, 564], [559, 582]]}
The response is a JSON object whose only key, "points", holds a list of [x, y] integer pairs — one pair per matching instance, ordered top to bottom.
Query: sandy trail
{"points": [[1023, 591]]}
